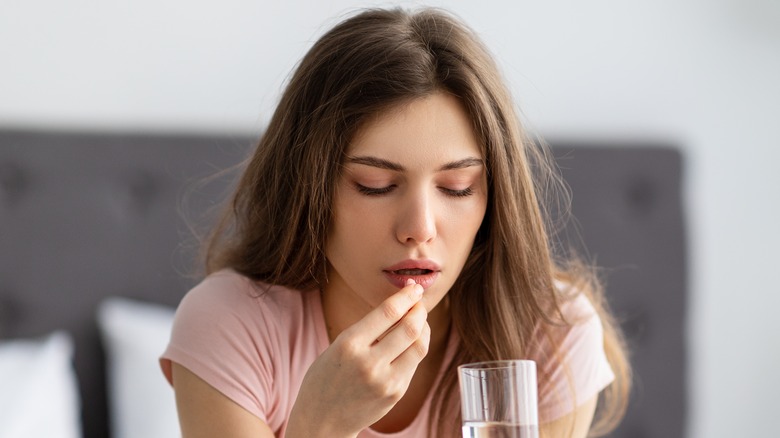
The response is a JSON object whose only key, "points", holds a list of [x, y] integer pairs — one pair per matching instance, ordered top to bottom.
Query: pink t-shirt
{"points": [[255, 347]]}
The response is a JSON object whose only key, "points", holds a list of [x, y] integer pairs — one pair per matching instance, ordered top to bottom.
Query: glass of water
{"points": [[498, 399]]}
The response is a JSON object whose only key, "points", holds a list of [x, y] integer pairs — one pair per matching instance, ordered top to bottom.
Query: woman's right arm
{"points": [[365, 371], [353, 384], [206, 412]]}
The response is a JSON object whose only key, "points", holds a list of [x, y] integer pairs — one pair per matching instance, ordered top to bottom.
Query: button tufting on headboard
{"points": [[13, 183], [144, 188], [641, 196], [636, 325]]}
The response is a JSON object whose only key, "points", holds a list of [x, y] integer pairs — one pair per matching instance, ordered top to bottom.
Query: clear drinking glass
{"points": [[498, 399]]}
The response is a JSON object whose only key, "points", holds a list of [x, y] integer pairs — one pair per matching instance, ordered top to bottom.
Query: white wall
{"points": [[700, 74]]}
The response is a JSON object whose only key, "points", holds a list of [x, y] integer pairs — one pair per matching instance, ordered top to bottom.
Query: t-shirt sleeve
{"points": [[220, 333], [584, 370]]}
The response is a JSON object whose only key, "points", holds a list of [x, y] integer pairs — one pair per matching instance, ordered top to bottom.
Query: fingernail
{"points": [[409, 282], [418, 290]]}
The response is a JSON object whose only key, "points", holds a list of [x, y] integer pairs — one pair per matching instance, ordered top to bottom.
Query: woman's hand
{"points": [[365, 371]]}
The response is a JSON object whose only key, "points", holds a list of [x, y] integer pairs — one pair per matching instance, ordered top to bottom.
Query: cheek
{"points": [[351, 213], [466, 218], [355, 225], [462, 229]]}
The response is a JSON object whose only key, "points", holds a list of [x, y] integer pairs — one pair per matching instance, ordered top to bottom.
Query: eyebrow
{"points": [[389, 165]]}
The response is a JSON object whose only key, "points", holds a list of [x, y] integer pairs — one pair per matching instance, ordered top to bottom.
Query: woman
{"points": [[387, 229]]}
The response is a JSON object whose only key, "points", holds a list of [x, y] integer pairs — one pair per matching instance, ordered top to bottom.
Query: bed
{"points": [[96, 250]]}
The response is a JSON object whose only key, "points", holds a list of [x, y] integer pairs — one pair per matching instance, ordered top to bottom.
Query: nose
{"points": [[416, 222]]}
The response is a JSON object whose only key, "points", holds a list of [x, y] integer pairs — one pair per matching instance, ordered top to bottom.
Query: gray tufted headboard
{"points": [[628, 208], [87, 216]]}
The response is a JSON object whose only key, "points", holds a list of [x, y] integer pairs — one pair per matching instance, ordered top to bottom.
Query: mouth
{"points": [[411, 272], [422, 272]]}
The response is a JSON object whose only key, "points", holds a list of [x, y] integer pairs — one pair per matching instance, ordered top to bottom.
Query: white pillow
{"points": [[38, 388], [141, 402]]}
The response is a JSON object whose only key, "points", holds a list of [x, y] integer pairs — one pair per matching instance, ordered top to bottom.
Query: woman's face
{"points": [[411, 198]]}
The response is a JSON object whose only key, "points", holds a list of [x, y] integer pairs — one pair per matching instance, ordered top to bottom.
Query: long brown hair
{"points": [[275, 229]]}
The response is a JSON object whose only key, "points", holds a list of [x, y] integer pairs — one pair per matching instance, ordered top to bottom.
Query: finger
{"points": [[387, 314], [402, 335], [412, 356]]}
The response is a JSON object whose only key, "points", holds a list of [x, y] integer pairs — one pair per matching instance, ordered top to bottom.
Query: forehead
{"points": [[433, 126]]}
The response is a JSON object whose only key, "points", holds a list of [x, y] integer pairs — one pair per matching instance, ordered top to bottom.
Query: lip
{"points": [[425, 280]]}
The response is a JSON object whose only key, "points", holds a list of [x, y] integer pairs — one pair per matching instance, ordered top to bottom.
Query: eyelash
{"points": [[370, 191], [459, 193]]}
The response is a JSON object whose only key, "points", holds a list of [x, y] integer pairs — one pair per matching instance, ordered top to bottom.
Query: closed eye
{"points": [[374, 191], [378, 191], [457, 193]]}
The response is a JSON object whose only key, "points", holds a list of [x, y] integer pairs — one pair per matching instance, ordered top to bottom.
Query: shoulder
{"points": [[225, 287], [222, 289], [227, 293], [574, 304], [227, 307], [578, 327], [582, 332], [251, 341], [573, 364]]}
